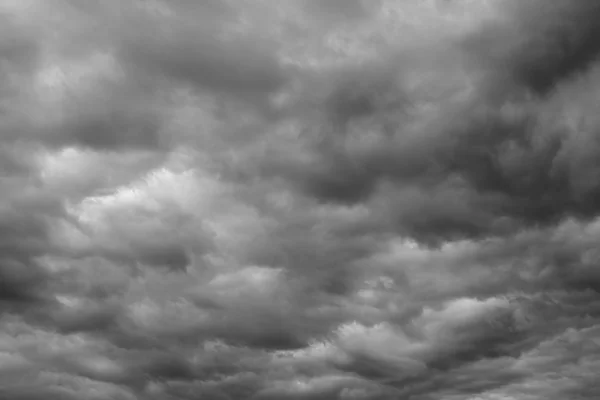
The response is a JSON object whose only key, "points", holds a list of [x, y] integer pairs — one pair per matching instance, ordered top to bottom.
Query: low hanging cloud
{"points": [[300, 199]]}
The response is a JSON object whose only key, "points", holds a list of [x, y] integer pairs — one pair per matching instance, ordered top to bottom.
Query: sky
{"points": [[299, 199]]}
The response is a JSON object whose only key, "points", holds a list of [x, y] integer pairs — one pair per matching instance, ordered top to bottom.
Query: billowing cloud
{"points": [[302, 199]]}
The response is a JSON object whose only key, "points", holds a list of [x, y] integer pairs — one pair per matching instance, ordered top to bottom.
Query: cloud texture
{"points": [[299, 199]]}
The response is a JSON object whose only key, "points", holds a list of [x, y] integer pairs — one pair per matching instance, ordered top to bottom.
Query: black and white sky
{"points": [[299, 199]]}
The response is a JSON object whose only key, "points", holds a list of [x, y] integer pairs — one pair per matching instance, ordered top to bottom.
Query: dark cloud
{"points": [[353, 9], [544, 43], [190, 56], [112, 128], [488, 158], [304, 200], [24, 235]]}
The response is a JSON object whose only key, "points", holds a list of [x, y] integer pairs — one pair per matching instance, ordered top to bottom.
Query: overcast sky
{"points": [[299, 199]]}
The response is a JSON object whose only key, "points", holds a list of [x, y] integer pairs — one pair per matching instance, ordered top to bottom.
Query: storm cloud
{"points": [[300, 199]]}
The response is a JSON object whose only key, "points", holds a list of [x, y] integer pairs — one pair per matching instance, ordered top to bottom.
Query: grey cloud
{"points": [[353, 9], [544, 44], [197, 50], [19, 54], [22, 57], [196, 57], [124, 112], [114, 128], [482, 165], [246, 200], [24, 235], [171, 257], [555, 259], [94, 318], [419, 365], [568, 378], [35, 393]]}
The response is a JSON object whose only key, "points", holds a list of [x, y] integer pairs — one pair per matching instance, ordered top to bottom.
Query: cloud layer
{"points": [[301, 199]]}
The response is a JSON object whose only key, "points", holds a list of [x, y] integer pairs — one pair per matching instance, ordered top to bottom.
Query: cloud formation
{"points": [[355, 200]]}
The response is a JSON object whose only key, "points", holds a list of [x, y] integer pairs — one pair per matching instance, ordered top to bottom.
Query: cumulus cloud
{"points": [[300, 199]]}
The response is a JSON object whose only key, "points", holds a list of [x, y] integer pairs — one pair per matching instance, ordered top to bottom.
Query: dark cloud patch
{"points": [[350, 10], [544, 44], [19, 55], [242, 67], [367, 90], [115, 128], [482, 166], [337, 180], [24, 235], [170, 257], [175, 258], [22, 282], [94, 319], [270, 338], [166, 367], [36, 393]]}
